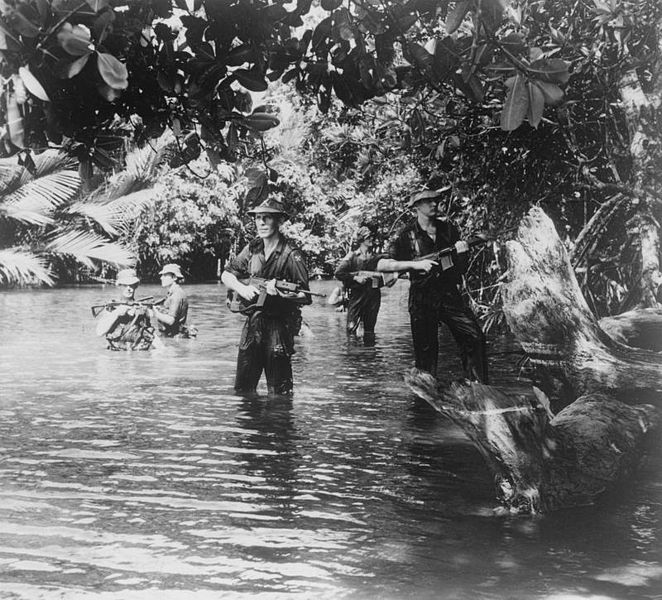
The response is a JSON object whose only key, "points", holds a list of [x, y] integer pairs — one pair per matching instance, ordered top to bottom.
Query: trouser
{"points": [[363, 309], [464, 327], [266, 345]]}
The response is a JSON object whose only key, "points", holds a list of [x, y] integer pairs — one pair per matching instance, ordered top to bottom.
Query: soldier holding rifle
{"points": [[364, 288], [434, 295], [273, 314], [126, 323]]}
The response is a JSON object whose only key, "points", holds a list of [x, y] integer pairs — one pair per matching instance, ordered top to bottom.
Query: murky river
{"points": [[142, 476]]}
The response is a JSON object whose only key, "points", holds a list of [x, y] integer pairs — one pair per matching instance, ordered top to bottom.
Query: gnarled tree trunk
{"points": [[549, 316]]}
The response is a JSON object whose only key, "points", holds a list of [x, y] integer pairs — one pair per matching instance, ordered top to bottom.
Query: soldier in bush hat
{"points": [[364, 289], [434, 295], [171, 318], [126, 323], [267, 339]]}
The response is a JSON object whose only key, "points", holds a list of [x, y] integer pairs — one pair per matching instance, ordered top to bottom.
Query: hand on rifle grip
{"points": [[461, 247], [425, 265], [248, 292]]}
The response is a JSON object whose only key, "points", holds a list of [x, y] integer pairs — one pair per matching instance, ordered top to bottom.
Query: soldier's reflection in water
{"points": [[271, 439]]}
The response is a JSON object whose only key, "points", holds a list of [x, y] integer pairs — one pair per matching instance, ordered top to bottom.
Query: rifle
{"points": [[444, 256], [378, 279], [237, 304], [97, 308]]}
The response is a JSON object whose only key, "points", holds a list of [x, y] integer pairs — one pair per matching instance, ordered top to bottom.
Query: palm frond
{"points": [[49, 161], [140, 172], [34, 202], [115, 216], [87, 247], [18, 267]]}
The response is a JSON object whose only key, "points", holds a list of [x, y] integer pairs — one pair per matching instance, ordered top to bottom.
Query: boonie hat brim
{"points": [[427, 194]]}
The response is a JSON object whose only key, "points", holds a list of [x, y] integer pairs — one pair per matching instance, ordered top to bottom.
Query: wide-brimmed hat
{"points": [[425, 194], [270, 205], [172, 269], [127, 277]]}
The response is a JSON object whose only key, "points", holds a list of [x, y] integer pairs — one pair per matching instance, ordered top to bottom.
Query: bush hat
{"points": [[425, 194], [269, 206], [172, 269], [127, 277]]}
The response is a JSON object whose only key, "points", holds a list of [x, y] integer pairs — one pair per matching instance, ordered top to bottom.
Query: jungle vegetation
{"points": [[342, 107]]}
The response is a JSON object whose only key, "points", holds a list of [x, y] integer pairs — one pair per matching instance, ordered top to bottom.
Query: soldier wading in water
{"points": [[434, 295], [273, 315], [126, 323]]}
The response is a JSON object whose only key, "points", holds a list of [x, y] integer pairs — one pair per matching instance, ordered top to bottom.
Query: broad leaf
{"points": [[331, 4], [97, 5], [456, 16], [75, 39], [76, 67], [552, 70], [113, 72], [252, 80], [32, 84], [552, 93], [536, 104], [516, 105], [14, 121]]}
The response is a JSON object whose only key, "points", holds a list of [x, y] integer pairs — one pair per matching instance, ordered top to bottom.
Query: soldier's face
{"points": [[427, 207], [267, 224], [129, 291]]}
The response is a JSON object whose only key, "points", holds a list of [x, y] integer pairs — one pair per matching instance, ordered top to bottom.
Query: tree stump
{"points": [[550, 318], [543, 462]]}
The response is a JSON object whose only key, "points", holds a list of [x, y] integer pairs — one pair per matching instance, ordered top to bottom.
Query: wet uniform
{"points": [[435, 297], [364, 298], [175, 305], [131, 332], [267, 339]]}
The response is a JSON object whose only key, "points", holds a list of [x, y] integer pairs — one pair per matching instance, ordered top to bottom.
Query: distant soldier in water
{"points": [[363, 288], [171, 319], [125, 322]]}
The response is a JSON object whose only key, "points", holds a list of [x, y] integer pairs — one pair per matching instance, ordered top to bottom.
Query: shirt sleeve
{"points": [[238, 265]]}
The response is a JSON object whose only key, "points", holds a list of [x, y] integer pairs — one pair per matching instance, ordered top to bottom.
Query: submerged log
{"points": [[547, 313], [543, 462]]}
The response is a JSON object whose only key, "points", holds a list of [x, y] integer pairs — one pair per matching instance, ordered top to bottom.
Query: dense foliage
{"points": [[542, 101]]}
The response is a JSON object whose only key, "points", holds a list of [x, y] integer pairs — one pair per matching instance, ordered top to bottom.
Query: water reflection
{"points": [[144, 475]]}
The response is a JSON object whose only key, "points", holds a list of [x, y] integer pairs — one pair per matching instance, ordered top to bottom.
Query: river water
{"points": [[142, 476]]}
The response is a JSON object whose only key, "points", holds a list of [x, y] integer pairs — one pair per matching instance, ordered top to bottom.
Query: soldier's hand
{"points": [[461, 247], [425, 265], [360, 278], [270, 286], [248, 292]]}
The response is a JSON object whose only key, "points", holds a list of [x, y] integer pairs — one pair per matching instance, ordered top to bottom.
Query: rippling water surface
{"points": [[142, 476]]}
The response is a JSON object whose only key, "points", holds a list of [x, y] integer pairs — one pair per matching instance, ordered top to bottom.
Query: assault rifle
{"points": [[445, 256], [142, 302], [237, 304]]}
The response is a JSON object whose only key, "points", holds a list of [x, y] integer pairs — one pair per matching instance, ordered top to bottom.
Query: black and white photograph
{"points": [[330, 299]]}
